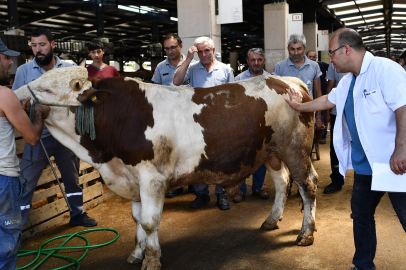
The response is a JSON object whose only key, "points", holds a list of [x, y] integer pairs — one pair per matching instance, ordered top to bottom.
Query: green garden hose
{"points": [[51, 252]]}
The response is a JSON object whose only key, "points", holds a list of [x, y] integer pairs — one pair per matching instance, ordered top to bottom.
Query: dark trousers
{"points": [[68, 165], [335, 175], [363, 204]]}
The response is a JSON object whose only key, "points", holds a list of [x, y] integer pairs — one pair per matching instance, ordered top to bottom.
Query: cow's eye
{"points": [[76, 84], [48, 91]]}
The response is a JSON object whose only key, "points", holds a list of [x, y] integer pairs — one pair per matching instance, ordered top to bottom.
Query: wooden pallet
{"points": [[48, 207]]}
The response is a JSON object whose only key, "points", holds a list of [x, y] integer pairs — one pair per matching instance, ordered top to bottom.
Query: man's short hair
{"points": [[36, 32], [174, 36], [351, 37], [296, 38], [204, 39], [95, 44], [257, 51], [307, 54]]}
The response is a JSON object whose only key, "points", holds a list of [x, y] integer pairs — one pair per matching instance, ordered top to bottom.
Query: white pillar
{"points": [[196, 19], [310, 32], [275, 33]]}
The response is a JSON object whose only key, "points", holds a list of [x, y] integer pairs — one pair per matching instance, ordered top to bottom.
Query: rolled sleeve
{"points": [[156, 78], [393, 87]]}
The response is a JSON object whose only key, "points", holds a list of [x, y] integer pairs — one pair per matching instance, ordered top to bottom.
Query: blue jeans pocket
{"points": [[10, 235]]}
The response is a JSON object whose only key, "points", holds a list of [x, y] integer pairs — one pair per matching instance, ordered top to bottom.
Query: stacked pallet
{"points": [[48, 207]]}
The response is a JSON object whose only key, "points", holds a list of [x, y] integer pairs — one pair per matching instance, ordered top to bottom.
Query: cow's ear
{"points": [[93, 97]]}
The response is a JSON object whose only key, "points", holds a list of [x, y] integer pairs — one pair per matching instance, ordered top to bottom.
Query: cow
{"points": [[152, 138]]}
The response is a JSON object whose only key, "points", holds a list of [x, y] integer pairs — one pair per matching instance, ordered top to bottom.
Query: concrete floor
{"points": [[208, 238]]}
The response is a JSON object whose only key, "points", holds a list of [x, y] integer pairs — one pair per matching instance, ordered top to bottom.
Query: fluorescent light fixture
{"points": [[365, 1], [345, 4], [399, 5], [371, 8], [345, 12], [399, 13], [372, 15], [351, 18], [398, 18], [174, 19], [374, 20], [353, 23], [397, 26], [379, 27], [368, 41]]}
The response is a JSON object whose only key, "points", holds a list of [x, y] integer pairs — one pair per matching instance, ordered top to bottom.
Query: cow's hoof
{"points": [[269, 226], [305, 240], [133, 260], [151, 264]]}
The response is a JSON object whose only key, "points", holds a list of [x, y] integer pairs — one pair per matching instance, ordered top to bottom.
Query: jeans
{"points": [[68, 164], [336, 177], [257, 180], [204, 189], [363, 204], [10, 221]]}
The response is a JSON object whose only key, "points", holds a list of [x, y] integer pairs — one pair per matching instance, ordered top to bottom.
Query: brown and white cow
{"points": [[152, 138]]}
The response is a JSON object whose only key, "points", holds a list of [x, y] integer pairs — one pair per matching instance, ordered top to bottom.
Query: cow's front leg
{"points": [[281, 181], [152, 188], [308, 192], [137, 256]]}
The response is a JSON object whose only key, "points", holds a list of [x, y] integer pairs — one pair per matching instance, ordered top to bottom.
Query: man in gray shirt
{"points": [[43, 45], [256, 62], [207, 72]]}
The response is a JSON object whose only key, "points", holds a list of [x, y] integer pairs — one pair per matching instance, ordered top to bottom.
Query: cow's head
{"points": [[61, 86]]}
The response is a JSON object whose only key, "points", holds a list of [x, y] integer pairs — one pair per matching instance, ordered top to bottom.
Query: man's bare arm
{"points": [[180, 74], [330, 86], [317, 94], [294, 101], [11, 108], [397, 161]]}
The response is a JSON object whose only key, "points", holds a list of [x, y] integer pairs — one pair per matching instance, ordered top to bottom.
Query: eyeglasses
{"points": [[171, 48], [330, 53]]}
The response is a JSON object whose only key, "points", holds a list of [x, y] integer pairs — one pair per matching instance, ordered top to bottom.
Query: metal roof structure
{"points": [[136, 24]]}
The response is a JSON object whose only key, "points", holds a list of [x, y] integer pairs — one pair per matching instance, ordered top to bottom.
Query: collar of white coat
{"points": [[366, 62]]}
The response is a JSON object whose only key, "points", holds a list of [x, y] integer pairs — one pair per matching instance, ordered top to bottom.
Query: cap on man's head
{"points": [[4, 50]]}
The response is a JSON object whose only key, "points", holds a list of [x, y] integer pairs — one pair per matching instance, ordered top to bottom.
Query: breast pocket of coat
{"points": [[374, 102]]}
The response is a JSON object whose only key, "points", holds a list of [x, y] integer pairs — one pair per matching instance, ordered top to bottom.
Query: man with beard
{"points": [[43, 44], [256, 62], [299, 66], [207, 72], [164, 73], [13, 116]]}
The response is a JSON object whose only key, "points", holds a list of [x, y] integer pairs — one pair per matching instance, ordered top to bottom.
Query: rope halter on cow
{"points": [[84, 116]]}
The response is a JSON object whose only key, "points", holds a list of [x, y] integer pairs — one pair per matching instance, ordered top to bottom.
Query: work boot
{"points": [[174, 193], [261, 193], [238, 197], [200, 200], [222, 201], [83, 220]]}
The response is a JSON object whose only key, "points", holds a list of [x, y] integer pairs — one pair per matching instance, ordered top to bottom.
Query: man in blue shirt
{"points": [[43, 45], [256, 62], [207, 72], [164, 73], [370, 128]]}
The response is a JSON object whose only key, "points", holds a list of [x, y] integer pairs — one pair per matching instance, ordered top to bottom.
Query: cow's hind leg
{"points": [[280, 175], [308, 190], [137, 256]]}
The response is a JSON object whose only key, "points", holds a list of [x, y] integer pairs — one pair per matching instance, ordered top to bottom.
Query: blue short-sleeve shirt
{"points": [[164, 72], [308, 72], [246, 75], [199, 77]]}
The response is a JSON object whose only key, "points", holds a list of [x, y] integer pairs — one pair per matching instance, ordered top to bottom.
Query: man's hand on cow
{"points": [[191, 52], [294, 99], [26, 104], [43, 109], [397, 161]]}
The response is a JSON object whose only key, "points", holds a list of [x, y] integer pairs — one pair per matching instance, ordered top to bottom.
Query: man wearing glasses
{"points": [[98, 68], [207, 72], [164, 73], [370, 128]]}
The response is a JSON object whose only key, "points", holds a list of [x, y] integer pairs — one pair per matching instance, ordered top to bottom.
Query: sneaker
{"points": [[322, 141], [332, 188], [174, 193], [261, 193], [238, 197], [200, 200], [222, 202], [83, 220]]}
